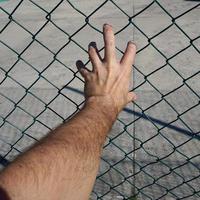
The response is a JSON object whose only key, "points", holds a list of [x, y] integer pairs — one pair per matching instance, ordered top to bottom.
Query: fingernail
{"points": [[106, 25], [132, 42], [93, 44], [91, 47], [79, 63]]}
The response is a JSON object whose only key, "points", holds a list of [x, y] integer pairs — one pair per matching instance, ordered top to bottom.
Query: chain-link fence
{"points": [[153, 150]]}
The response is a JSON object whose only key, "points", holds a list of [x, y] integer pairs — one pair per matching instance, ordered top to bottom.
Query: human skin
{"points": [[64, 164]]}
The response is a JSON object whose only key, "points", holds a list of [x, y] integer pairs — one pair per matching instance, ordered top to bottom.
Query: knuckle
{"points": [[110, 43], [109, 65]]}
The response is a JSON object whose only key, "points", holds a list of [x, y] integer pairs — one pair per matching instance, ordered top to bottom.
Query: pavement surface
{"points": [[153, 149]]}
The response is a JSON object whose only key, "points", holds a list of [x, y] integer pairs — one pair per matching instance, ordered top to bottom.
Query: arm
{"points": [[65, 163]]}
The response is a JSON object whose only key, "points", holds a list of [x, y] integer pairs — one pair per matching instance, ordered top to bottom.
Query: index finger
{"points": [[109, 40]]}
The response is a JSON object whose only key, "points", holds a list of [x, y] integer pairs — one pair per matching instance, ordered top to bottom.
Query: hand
{"points": [[109, 80]]}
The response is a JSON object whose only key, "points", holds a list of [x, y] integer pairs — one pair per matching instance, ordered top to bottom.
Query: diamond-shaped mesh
{"points": [[153, 150]]}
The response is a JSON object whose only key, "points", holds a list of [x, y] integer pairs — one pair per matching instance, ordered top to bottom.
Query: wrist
{"points": [[103, 105]]}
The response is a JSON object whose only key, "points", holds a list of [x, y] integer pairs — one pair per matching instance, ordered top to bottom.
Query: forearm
{"points": [[64, 162]]}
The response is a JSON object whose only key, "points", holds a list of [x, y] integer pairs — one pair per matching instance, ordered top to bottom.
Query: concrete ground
{"points": [[152, 150]]}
